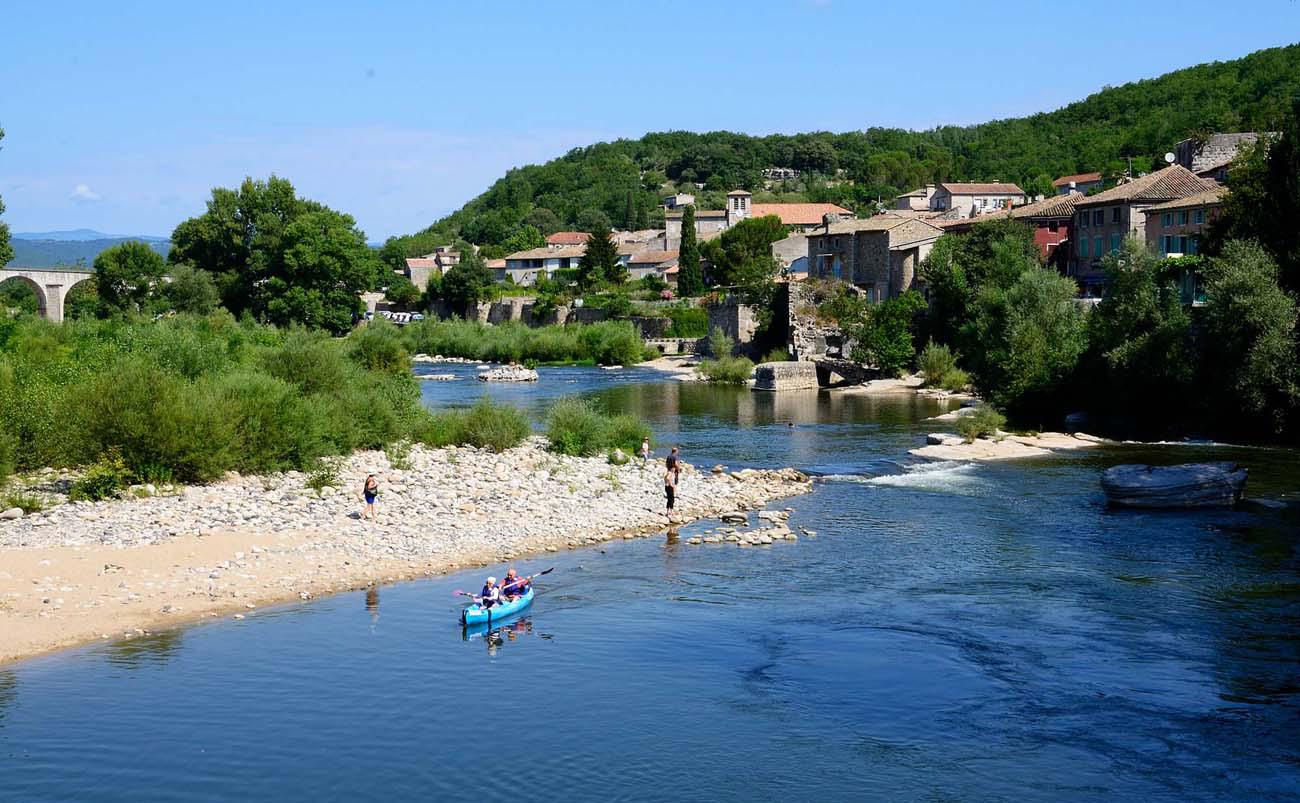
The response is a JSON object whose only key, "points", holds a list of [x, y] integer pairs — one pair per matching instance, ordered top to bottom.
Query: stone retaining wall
{"points": [[791, 375]]}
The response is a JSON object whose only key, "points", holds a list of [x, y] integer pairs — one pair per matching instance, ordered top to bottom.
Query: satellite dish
{"points": [[1169, 158]]}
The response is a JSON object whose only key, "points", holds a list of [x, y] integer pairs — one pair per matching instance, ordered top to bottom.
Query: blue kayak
{"points": [[476, 614]]}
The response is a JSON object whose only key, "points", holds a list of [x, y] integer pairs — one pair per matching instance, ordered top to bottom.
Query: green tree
{"points": [[629, 212], [544, 220], [593, 220], [526, 237], [741, 257], [283, 258], [600, 261], [126, 276], [690, 277], [467, 282], [190, 290], [401, 291], [15, 294], [1250, 332], [882, 333], [1031, 336], [1140, 358]]}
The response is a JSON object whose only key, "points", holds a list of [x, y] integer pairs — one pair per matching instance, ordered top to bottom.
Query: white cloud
{"points": [[83, 192]]}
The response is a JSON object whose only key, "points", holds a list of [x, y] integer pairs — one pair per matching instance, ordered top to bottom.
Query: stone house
{"points": [[1209, 158], [1080, 182], [976, 199], [679, 200], [916, 200], [801, 217], [1052, 219], [1102, 222], [709, 223], [1176, 227], [566, 239], [880, 254], [651, 263], [525, 266], [420, 269]]}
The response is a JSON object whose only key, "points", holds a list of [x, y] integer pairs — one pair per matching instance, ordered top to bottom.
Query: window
{"points": [[1114, 215], [1099, 217], [1198, 217], [1182, 218], [1167, 219], [1083, 220], [1053, 226], [1115, 242], [1164, 245], [1182, 245], [1193, 245], [1098, 247], [1083, 248]]}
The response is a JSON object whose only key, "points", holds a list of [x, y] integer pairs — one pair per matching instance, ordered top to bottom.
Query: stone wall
{"points": [[738, 321], [651, 328], [809, 337], [785, 376]]}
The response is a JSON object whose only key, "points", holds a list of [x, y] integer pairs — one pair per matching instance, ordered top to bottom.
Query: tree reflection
{"points": [[8, 690]]}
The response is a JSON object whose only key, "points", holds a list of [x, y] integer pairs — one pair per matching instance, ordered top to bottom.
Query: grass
{"points": [[686, 321], [604, 343], [777, 355], [728, 370], [984, 423], [486, 425], [576, 427], [325, 474], [27, 502]]}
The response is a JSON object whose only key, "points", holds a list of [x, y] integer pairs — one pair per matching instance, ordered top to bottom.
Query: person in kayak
{"points": [[513, 586], [491, 593]]}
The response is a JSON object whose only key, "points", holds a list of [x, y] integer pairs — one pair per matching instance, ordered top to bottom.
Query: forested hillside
{"points": [[620, 182]]}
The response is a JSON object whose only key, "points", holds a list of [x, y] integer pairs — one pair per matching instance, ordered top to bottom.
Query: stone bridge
{"points": [[51, 285], [847, 371]]}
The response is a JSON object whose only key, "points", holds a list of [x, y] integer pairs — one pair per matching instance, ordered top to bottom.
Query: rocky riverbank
{"points": [[83, 571]]}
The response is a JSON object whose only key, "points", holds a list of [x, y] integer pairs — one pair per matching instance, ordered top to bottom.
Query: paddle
{"points": [[461, 593]]}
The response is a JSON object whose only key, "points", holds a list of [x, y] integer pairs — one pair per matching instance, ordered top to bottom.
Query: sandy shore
{"points": [[681, 367], [83, 572]]}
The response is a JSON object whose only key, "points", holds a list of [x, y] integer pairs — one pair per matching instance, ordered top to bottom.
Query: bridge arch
{"points": [[51, 286], [37, 290]]}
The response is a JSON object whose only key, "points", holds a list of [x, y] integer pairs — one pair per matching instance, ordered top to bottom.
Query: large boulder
{"points": [[785, 376], [1183, 486]]}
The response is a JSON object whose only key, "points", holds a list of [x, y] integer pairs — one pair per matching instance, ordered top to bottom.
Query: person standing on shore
{"points": [[645, 451], [674, 465], [670, 489], [369, 492]]}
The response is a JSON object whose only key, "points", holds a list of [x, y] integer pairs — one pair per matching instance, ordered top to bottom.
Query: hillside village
{"points": [[1168, 209]]}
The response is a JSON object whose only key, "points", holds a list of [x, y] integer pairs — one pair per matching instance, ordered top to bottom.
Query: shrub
{"points": [[687, 321], [605, 343], [720, 343], [378, 347], [777, 355], [936, 362], [728, 370], [956, 380], [985, 422], [486, 425], [575, 427], [8, 454], [399, 455], [618, 457], [326, 473], [105, 478], [26, 502]]}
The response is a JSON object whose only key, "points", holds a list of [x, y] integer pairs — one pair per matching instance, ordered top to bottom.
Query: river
{"points": [[952, 632]]}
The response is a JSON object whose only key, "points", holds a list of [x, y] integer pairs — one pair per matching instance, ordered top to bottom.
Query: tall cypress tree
{"points": [[629, 213], [599, 261], [690, 279]]}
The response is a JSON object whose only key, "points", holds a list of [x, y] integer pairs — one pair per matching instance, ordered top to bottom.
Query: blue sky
{"points": [[122, 116]]}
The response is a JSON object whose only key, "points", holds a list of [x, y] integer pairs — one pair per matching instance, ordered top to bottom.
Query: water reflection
{"points": [[372, 606], [496, 635], [154, 649], [8, 691]]}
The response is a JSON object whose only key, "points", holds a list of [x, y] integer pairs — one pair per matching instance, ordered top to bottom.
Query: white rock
{"points": [[12, 513]]}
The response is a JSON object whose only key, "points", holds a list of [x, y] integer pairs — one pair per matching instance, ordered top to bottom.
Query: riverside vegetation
{"points": [[188, 398]]}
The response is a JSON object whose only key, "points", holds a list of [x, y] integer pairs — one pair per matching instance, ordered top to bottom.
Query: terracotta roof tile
{"points": [[1078, 178], [1174, 181], [982, 189], [1209, 197], [1055, 206], [799, 214], [567, 238], [652, 257], [421, 262]]}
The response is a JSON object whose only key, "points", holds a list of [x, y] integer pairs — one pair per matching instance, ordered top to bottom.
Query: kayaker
{"points": [[512, 585], [491, 593]]}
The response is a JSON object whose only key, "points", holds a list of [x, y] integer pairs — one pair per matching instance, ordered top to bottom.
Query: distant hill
{"points": [[621, 182], [81, 235], [35, 250]]}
